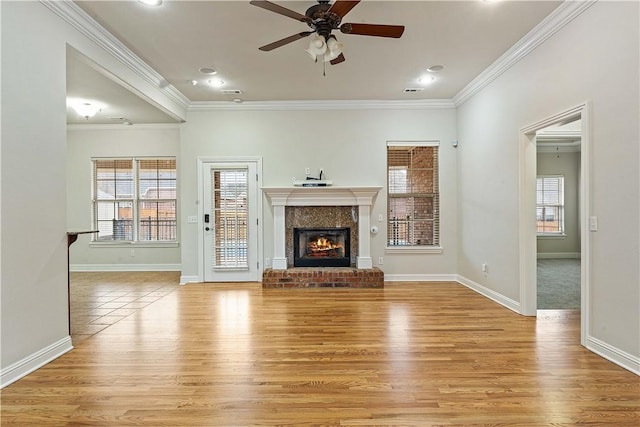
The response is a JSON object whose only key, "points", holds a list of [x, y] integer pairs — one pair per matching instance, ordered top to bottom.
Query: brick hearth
{"points": [[323, 277]]}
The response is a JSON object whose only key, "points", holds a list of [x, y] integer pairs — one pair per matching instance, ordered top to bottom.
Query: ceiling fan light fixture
{"points": [[317, 47], [334, 47], [312, 55]]}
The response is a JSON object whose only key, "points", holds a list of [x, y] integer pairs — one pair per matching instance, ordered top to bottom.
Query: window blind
{"points": [[413, 195], [113, 199], [135, 199], [156, 199], [550, 204]]}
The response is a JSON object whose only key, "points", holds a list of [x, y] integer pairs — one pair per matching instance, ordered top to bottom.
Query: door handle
{"points": [[207, 229]]}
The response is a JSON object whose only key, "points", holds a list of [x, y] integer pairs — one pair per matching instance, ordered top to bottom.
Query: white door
{"points": [[230, 214]]}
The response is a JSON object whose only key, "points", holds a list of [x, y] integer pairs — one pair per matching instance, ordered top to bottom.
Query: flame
{"points": [[322, 244]]}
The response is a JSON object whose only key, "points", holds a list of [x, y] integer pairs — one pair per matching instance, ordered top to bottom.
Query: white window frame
{"points": [[136, 201], [560, 206], [422, 249]]}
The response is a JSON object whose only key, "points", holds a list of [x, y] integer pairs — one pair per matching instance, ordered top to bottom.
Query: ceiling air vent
{"points": [[413, 89], [231, 91]]}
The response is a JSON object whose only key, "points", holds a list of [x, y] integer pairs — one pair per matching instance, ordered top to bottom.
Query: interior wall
{"points": [[565, 71], [86, 142], [351, 147], [566, 164], [34, 241], [34, 323]]}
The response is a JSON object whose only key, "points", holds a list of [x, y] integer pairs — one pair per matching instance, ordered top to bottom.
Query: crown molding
{"points": [[561, 16], [86, 25], [90, 28], [323, 105], [119, 126]]}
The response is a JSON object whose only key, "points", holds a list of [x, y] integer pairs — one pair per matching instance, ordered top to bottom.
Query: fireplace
{"points": [[303, 197], [321, 247]]}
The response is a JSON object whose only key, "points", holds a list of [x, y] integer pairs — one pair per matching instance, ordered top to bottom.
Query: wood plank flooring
{"points": [[411, 354]]}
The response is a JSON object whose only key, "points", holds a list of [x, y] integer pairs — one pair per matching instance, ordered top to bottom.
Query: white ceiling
{"points": [[179, 37]]}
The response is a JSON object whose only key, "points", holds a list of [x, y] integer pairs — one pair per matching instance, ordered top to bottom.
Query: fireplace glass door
{"points": [[321, 247]]}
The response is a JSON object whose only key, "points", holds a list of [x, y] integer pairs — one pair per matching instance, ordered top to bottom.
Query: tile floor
{"points": [[101, 299]]}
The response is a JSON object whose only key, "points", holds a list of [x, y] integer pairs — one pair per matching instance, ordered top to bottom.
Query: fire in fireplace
{"points": [[321, 247]]}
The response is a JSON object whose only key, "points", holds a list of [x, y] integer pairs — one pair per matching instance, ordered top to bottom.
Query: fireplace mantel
{"points": [[321, 196], [362, 197]]}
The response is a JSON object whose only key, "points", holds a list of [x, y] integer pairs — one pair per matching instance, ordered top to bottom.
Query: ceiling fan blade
{"points": [[342, 7], [280, 10], [393, 31], [285, 40], [337, 60]]}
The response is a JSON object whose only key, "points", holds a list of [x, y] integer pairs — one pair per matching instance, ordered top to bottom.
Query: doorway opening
{"points": [[558, 152], [546, 219]]}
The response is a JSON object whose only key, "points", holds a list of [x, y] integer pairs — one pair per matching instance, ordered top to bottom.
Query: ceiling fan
{"points": [[323, 18]]}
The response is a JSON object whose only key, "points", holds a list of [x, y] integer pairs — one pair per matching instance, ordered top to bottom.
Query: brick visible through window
{"points": [[413, 195]]}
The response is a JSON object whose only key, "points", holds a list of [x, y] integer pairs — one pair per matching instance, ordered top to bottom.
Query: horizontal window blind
{"points": [[413, 195], [113, 197], [135, 199], [157, 199], [550, 204], [231, 209]]}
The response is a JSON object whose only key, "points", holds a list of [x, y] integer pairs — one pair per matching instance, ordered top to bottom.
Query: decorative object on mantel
{"points": [[312, 181], [315, 183]]}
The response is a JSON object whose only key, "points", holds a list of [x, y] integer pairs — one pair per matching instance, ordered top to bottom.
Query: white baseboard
{"points": [[558, 255], [124, 267], [420, 277], [189, 279], [493, 295], [615, 355], [21, 368]]}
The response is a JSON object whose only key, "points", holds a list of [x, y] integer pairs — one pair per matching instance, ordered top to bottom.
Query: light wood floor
{"points": [[412, 354]]}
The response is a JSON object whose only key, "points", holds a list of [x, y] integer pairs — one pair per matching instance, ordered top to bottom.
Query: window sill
{"points": [[552, 236], [134, 244], [414, 250]]}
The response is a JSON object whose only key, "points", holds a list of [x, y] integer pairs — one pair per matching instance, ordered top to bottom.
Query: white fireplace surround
{"points": [[362, 197]]}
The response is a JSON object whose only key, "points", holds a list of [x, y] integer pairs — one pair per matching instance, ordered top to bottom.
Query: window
{"points": [[412, 195], [134, 200], [550, 205]]}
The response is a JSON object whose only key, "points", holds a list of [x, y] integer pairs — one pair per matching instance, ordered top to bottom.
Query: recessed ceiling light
{"points": [[151, 2], [435, 68], [208, 71], [425, 80], [194, 82], [216, 82], [237, 100]]}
